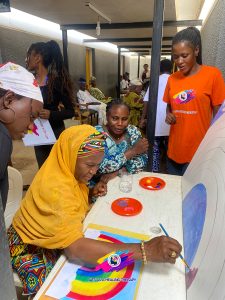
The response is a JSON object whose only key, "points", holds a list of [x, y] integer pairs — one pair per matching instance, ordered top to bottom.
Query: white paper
{"points": [[42, 134]]}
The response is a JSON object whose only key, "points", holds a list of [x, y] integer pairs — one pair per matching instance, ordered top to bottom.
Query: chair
{"points": [[84, 114], [81, 116], [14, 194], [13, 203]]}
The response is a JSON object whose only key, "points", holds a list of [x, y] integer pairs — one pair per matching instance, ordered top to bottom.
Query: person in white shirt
{"points": [[124, 84], [84, 97], [161, 128]]}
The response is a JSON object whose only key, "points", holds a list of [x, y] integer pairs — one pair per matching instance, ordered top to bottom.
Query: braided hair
{"points": [[193, 37], [57, 73], [116, 102]]}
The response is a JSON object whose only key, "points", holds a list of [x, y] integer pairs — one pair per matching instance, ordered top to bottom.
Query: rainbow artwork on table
{"points": [[116, 276]]}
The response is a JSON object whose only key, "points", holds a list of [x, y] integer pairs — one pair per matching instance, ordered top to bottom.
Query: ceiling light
{"points": [[92, 7], [206, 9], [98, 27]]}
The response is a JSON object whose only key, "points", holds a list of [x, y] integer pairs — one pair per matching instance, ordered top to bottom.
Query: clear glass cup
{"points": [[125, 184]]}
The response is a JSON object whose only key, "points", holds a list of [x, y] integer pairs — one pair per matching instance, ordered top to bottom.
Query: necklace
{"points": [[113, 137]]}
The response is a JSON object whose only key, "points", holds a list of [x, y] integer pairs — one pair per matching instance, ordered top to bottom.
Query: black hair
{"points": [[193, 37], [53, 61], [166, 66], [2, 92], [116, 102]]}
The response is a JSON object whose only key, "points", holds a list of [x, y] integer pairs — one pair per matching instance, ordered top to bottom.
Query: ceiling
{"points": [[119, 11]]}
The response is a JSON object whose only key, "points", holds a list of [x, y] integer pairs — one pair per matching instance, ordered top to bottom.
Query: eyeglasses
{"points": [[33, 115]]}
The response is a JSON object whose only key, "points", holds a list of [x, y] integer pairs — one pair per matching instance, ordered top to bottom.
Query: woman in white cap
{"points": [[20, 103]]}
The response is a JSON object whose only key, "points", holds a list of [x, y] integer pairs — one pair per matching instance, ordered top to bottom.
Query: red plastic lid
{"points": [[152, 183], [126, 206]]}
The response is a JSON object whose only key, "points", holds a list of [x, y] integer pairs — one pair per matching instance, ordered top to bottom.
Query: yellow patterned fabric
{"points": [[135, 103], [52, 212]]}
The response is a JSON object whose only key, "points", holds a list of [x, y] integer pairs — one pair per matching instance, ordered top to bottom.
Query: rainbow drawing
{"points": [[116, 276]]}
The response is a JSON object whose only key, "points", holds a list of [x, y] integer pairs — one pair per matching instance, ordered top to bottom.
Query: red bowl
{"points": [[152, 183], [126, 206]]}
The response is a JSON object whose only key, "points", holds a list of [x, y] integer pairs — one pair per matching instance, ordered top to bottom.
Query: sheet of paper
{"points": [[41, 134], [74, 281]]}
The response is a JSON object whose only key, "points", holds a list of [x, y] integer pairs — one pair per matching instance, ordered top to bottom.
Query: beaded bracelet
{"points": [[144, 258]]}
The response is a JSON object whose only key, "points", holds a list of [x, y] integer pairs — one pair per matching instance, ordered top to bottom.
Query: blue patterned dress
{"points": [[115, 159]]}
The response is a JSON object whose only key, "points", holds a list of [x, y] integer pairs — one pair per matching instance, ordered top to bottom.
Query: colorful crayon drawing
{"points": [[34, 130], [115, 277]]}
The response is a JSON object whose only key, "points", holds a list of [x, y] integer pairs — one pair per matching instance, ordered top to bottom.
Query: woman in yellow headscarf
{"points": [[51, 213], [50, 217]]}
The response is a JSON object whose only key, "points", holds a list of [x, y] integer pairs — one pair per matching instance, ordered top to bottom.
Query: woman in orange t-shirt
{"points": [[193, 95]]}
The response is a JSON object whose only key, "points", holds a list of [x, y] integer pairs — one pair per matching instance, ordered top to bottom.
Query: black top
{"points": [[56, 117], [5, 153]]}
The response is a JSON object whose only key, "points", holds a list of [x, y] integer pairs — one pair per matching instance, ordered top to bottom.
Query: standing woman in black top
{"points": [[46, 62]]}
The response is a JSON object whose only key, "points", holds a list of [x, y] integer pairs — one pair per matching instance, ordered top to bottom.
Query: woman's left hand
{"points": [[44, 114], [99, 190]]}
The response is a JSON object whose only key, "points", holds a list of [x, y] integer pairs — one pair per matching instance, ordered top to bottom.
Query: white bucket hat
{"points": [[17, 79]]}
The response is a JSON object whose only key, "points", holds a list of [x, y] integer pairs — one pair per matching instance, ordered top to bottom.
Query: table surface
{"points": [[159, 281]]}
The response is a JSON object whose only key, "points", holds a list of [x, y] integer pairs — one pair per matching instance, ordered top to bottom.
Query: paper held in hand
{"points": [[41, 134]]}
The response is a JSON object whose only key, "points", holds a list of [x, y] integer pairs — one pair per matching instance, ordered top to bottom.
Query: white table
{"points": [[159, 281]]}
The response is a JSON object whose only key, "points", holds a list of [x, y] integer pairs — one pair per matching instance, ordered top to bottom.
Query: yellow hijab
{"points": [[52, 212]]}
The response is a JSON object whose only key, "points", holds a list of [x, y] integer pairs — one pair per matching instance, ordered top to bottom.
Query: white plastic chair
{"points": [[14, 194], [13, 203]]}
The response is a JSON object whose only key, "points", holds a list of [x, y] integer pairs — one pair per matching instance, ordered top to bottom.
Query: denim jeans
{"points": [[175, 168]]}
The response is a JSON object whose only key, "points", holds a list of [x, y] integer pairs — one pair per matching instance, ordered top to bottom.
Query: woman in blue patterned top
{"points": [[125, 147]]}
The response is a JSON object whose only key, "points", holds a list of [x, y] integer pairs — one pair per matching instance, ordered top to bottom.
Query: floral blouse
{"points": [[115, 159]]}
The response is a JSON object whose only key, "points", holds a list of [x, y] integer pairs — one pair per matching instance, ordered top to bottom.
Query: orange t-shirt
{"points": [[192, 99]]}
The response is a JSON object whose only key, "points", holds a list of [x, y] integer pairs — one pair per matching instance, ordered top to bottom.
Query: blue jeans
{"points": [[159, 148], [175, 168]]}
